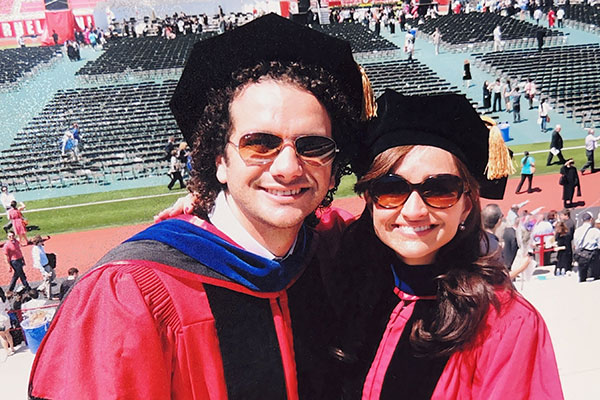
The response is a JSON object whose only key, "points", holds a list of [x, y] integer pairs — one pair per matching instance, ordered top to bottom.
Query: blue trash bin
{"points": [[505, 131], [34, 336]]}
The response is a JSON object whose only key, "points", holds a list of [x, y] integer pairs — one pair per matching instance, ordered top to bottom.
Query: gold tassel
{"points": [[369, 108], [499, 162]]}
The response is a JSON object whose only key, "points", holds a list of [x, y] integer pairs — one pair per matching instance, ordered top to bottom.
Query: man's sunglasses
{"points": [[260, 148], [437, 191]]}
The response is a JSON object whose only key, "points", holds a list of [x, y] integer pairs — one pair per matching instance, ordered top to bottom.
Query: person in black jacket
{"points": [[556, 145], [569, 179]]}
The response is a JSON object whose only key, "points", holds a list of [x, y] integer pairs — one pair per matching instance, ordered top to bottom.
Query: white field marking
{"points": [[93, 203]]}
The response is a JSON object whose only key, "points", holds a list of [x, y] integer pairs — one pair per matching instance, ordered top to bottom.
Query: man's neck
{"points": [[255, 236]]}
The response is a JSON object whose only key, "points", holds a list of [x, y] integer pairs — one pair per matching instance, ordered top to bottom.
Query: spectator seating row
{"points": [[582, 16], [462, 32], [361, 38], [148, 53], [15, 64], [568, 75], [404, 76], [124, 129]]}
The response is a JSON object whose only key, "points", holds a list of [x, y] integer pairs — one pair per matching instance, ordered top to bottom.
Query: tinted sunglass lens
{"points": [[259, 146], [316, 149], [442, 191], [390, 192]]}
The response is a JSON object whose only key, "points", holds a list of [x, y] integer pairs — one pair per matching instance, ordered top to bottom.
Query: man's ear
{"points": [[221, 164]]}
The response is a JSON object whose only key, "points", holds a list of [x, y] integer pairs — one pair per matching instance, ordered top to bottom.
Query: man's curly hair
{"points": [[214, 127]]}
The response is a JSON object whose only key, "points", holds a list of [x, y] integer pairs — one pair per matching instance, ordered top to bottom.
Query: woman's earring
{"points": [[461, 226]]}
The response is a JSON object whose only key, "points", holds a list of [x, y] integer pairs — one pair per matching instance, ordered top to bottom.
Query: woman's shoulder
{"points": [[514, 313]]}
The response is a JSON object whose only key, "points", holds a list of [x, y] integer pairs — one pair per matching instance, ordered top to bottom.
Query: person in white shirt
{"points": [[537, 15], [560, 15], [498, 39], [543, 110], [591, 142], [6, 198], [587, 241], [40, 261]]}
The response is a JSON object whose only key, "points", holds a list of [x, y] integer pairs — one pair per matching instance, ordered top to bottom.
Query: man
{"points": [[540, 35], [498, 39], [76, 139], [556, 145], [590, 146], [491, 218], [587, 244], [510, 246], [14, 258], [68, 283], [230, 304]]}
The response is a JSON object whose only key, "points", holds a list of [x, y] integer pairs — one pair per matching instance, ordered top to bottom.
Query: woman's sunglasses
{"points": [[260, 148], [437, 191]]}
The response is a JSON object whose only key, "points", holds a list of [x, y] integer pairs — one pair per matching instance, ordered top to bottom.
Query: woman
{"points": [[467, 73], [487, 96], [543, 117], [527, 171], [569, 179], [18, 222], [564, 245], [40, 261], [422, 313], [5, 336]]}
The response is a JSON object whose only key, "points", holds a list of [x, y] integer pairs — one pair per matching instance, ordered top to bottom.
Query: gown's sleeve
{"points": [[103, 344], [512, 359]]}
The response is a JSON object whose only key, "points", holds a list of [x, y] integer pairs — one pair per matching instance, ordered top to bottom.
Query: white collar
{"points": [[222, 217]]}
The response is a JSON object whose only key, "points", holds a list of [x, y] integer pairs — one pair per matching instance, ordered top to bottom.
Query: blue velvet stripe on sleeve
{"points": [[248, 269]]}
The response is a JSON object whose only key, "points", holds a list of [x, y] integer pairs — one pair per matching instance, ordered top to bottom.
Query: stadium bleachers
{"points": [[582, 16], [474, 31], [361, 38], [152, 53], [16, 64], [568, 75], [409, 78], [124, 129]]}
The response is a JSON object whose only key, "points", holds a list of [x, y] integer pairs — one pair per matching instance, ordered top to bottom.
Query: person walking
{"points": [[437, 37], [498, 46], [467, 74], [497, 90], [530, 92], [487, 96], [515, 98], [543, 117], [591, 142], [556, 145], [175, 170], [527, 171], [569, 181], [18, 221], [14, 258], [40, 261]]}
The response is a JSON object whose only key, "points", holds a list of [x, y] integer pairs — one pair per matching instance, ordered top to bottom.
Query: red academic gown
{"points": [[151, 322], [511, 357]]}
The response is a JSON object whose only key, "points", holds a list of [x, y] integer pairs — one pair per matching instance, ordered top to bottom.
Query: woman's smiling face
{"points": [[416, 231]]}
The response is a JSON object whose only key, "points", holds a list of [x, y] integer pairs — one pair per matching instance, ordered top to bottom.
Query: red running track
{"points": [[84, 249]]}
